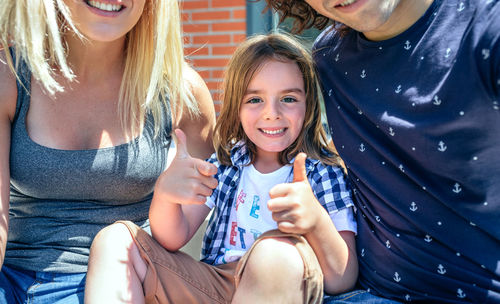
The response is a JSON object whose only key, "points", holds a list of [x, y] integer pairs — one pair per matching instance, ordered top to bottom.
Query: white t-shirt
{"points": [[250, 217]]}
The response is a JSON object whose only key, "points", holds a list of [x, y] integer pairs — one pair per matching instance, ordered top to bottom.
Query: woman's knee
{"points": [[113, 238]]}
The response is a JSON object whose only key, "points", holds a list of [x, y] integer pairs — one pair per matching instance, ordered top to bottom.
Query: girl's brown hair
{"points": [[246, 61]]}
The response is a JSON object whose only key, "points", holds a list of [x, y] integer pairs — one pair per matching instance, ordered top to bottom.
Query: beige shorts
{"points": [[175, 277]]}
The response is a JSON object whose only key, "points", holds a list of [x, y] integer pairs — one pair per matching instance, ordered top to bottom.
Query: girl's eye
{"points": [[289, 99], [254, 100]]}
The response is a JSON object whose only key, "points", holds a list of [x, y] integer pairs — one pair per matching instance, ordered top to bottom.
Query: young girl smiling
{"points": [[282, 227]]}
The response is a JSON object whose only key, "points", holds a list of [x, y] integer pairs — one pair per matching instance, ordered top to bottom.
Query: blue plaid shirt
{"points": [[327, 183]]}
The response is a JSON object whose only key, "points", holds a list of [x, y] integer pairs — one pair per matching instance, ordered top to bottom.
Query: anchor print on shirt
{"points": [[461, 7], [407, 45], [448, 53], [485, 53], [337, 57], [363, 74], [398, 89], [437, 101], [391, 131], [441, 146], [362, 147], [456, 188], [413, 207], [428, 238], [388, 244], [363, 252], [441, 269], [396, 277], [461, 294], [408, 298]]}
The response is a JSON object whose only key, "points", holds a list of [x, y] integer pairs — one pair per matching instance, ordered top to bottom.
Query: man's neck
{"points": [[404, 16]]}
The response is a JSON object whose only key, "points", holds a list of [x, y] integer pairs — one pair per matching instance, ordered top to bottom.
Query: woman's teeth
{"points": [[105, 6]]}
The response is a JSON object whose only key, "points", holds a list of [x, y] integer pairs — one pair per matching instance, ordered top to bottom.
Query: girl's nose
{"points": [[272, 110]]}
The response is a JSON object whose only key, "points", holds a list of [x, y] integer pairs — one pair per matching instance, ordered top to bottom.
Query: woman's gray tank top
{"points": [[60, 199]]}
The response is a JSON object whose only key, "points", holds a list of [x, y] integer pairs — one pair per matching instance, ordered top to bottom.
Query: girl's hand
{"points": [[187, 180], [293, 205]]}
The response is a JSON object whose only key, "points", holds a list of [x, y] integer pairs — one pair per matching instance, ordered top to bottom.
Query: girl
{"points": [[90, 91], [271, 237]]}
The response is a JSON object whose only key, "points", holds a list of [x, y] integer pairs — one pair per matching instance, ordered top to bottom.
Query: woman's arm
{"points": [[8, 95], [198, 130], [177, 209]]}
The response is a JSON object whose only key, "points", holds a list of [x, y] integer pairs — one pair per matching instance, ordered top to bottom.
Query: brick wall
{"points": [[212, 30]]}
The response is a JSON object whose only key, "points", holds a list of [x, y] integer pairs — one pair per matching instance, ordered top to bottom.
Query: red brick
{"points": [[228, 3], [188, 5], [239, 14], [210, 15], [185, 16], [229, 26], [195, 28], [237, 38], [186, 39], [211, 39], [223, 50], [195, 51], [210, 62], [217, 73], [205, 74], [214, 85], [217, 96], [217, 107]]}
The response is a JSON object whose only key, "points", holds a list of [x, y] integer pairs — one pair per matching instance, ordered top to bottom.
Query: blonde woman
{"points": [[89, 94]]}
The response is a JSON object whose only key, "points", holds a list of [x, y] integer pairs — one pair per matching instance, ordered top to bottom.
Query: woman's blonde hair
{"points": [[154, 59], [246, 61]]}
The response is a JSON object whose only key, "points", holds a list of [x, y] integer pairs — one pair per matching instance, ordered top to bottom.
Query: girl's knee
{"points": [[276, 255]]}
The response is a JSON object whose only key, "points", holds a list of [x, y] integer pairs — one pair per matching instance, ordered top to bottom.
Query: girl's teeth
{"points": [[345, 3], [105, 6], [273, 132]]}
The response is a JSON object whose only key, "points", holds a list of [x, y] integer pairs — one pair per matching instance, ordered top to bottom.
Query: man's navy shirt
{"points": [[416, 119]]}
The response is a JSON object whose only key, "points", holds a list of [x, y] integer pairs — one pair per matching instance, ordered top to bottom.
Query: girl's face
{"points": [[105, 20], [273, 107]]}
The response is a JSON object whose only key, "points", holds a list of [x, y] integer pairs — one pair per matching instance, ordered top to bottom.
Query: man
{"points": [[411, 91]]}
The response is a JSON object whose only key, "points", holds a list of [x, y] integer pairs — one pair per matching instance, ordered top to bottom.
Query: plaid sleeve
{"points": [[330, 187], [211, 200]]}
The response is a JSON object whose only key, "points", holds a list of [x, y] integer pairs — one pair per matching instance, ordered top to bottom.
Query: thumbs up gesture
{"points": [[187, 180], [293, 205]]}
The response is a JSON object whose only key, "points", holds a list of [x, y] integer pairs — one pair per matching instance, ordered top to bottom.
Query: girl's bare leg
{"points": [[273, 274]]}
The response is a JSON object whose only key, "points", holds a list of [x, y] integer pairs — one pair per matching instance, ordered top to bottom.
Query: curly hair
{"points": [[303, 14]]}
